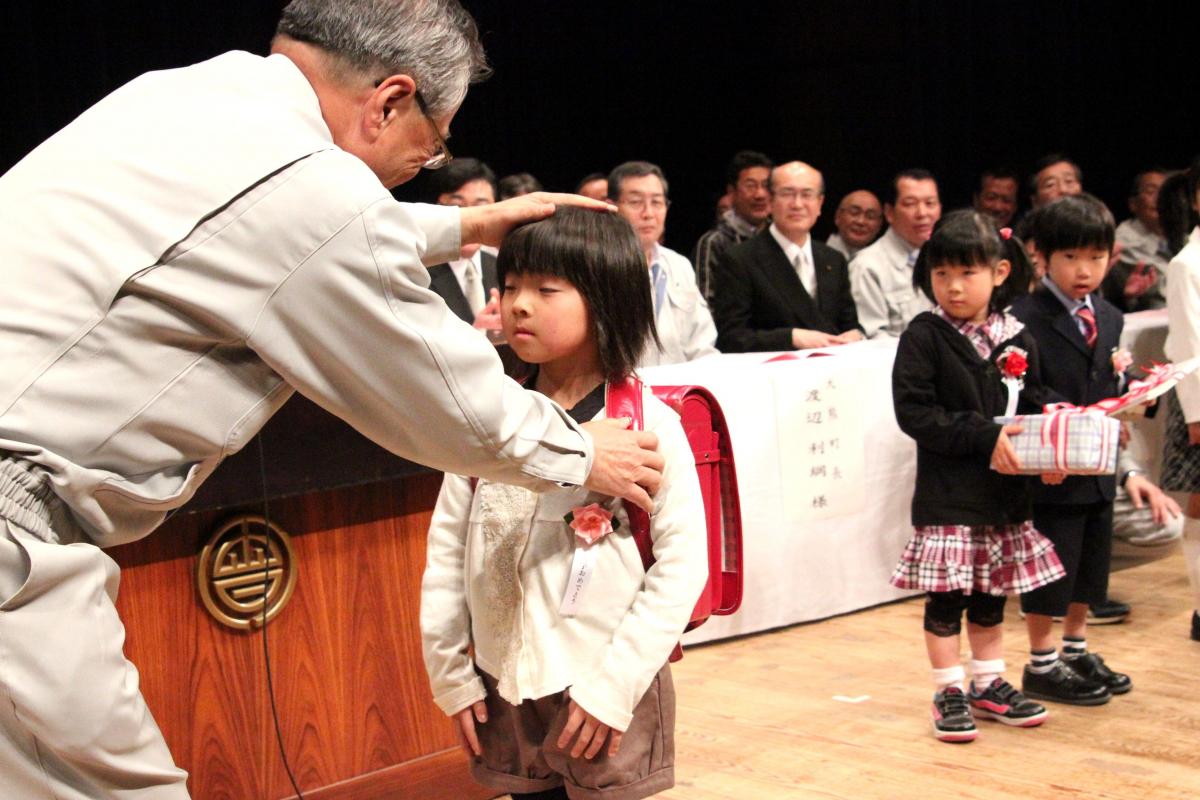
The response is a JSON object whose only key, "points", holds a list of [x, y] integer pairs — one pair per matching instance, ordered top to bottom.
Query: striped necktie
{"points": [[1088, 321]]}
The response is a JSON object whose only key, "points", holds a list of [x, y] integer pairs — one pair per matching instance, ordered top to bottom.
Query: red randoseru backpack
{"points": [[708, 435]]}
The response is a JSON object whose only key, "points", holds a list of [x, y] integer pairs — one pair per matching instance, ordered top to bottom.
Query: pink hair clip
{"points": [[1005, 233]]}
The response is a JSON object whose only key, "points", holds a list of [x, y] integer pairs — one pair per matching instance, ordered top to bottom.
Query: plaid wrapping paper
{"points": [[1073, 441], [994, 559]]}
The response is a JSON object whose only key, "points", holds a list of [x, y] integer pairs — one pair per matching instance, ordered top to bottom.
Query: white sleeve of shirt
{"points": [[1183, 326], [445, 615]]}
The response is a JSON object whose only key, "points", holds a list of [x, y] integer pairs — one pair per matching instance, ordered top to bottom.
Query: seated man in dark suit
{"points": [[467, 284], [781, 290]]}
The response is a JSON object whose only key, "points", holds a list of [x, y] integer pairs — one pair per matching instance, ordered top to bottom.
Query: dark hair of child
{"points": [[1175, 212], [1073, 222], [968, 238], [600, 256]]}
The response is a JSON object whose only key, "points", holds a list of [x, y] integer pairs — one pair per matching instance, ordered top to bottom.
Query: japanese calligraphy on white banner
{"points": [[821, 434]]}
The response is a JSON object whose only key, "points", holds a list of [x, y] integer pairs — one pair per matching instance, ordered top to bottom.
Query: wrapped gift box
{"points": [[1074, 441]]}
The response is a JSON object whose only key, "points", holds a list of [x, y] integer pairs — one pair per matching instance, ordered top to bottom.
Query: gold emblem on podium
{"points": [[245, 566]]}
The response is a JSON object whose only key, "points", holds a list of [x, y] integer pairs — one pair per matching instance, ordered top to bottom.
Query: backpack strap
{"points": [[624, 399]]}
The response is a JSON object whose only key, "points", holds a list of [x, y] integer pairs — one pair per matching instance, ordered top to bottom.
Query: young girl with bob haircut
{"points": [[974, 542], [555, 679]]}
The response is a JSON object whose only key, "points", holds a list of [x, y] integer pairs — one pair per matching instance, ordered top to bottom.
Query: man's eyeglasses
{"points": [[442, 156], [790, 195], [638, 202]]}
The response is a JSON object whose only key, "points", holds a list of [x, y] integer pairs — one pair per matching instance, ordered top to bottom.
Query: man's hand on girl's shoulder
{"points": [[625, 463]]}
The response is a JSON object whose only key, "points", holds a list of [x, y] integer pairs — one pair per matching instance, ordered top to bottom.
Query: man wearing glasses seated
{"points": [[858, 220], [781, 290], [685, 326]]}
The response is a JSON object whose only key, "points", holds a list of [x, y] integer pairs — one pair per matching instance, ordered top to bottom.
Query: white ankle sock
{"points": [[1073, 647], [1041, 662], [984, 672], [949, 676]]}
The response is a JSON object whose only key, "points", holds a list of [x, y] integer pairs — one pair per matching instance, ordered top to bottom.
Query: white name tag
{"points": [[583, 564]]}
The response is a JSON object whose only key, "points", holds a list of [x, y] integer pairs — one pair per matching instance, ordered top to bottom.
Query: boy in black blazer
{"points": [[1077, 332]]}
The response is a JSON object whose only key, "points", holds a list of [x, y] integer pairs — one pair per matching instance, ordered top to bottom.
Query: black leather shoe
{"points": [[1110, 612], [1195, 626], [1091, 667], [1063, 685]]}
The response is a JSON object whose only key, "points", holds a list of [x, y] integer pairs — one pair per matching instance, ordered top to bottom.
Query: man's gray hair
{"points": [[435, 42]]}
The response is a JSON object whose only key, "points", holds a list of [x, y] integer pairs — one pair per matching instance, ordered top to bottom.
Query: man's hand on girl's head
{"points": [[489, 224], [625, 463]]}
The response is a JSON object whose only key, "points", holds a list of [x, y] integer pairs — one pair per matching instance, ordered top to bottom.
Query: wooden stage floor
{"points": [[758, 718]]}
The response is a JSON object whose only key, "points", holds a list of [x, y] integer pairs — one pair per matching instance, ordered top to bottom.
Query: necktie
{"points": [[806, 272], [658, 279], [474, 288], [1087, 322]]}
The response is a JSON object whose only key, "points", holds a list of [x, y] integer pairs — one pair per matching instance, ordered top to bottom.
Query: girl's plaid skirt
{"points": [[1181, 461], [994, 559]]}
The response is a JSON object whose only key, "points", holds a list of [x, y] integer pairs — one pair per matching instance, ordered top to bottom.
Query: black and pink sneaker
{"points": [[1002, 702], [952, 720]]}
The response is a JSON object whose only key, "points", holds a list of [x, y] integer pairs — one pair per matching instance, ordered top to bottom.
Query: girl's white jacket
{"points": [[498, 564]]}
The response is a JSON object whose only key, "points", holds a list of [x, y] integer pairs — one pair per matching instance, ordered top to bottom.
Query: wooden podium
{"points": [[354, 704]]}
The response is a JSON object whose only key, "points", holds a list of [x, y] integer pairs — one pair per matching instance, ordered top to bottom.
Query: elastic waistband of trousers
{"points": [[27, 500]]}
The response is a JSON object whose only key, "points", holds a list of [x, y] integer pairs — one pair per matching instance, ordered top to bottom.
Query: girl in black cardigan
{"points": [[974, 542]]}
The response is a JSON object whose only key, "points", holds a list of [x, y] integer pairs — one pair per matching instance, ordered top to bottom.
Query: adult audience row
{"points": [[770, 285]]}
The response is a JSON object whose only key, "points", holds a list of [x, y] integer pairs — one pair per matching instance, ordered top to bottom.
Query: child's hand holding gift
{"points": [[1004, 455]]}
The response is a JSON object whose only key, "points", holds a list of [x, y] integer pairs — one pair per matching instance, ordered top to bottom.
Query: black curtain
{"points": [[858, 89]]}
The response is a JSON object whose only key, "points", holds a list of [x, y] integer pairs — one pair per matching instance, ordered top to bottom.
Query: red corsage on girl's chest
{"points": [[1013, 363], [591, 523]]}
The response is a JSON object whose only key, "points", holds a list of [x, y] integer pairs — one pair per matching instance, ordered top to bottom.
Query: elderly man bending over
{"points": [[176, 262]]}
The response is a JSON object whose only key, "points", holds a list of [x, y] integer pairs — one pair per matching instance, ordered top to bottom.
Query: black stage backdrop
{"points": [[858, 89]]}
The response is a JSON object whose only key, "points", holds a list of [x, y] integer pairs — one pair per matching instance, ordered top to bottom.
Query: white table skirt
{"points": [[798, 572], [794, 573]]}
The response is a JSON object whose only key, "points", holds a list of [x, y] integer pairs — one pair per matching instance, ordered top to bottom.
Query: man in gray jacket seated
{"points": [[685, 326]]}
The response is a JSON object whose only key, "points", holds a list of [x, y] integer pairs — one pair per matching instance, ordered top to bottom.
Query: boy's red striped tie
{"points": [[1089, 325]]}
